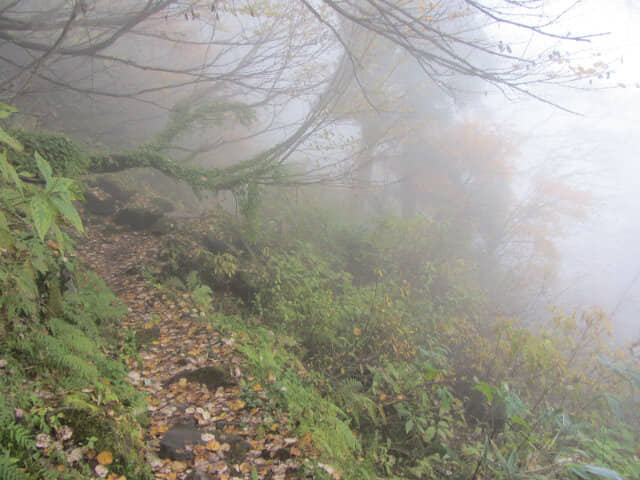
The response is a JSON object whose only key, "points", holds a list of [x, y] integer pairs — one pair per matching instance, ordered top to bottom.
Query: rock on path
{"points": [[202, 429]]}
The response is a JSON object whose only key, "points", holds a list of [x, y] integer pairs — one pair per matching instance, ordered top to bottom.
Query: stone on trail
{"points": [[211, 377], [178, 442]]}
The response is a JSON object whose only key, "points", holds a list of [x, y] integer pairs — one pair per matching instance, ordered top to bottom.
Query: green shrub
{"points": [[54, 318]]}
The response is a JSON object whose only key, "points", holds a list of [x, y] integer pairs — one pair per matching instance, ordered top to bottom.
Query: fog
{"points": [[343, 105], [598, 150], [332, 239]]}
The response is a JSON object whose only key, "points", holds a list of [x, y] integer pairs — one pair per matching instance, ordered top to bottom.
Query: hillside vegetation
{"points": [[375, 336]]}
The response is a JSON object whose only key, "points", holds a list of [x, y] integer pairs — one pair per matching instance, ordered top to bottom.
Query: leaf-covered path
{"points": [[200, 424]]}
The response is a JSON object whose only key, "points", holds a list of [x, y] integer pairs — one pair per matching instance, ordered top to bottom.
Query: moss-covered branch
{"points": [[196, 112], [68, 158], [259, 168]]}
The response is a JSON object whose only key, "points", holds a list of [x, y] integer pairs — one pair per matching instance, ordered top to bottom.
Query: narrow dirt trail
{"points": [[201, 427]]}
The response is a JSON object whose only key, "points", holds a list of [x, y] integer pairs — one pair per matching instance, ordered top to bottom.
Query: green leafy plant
{"points": [[64, 156], [225, 264], [54, 318], [365, 332]]}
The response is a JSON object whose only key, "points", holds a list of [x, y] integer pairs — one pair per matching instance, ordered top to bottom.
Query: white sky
{"points": [[602, 256]]}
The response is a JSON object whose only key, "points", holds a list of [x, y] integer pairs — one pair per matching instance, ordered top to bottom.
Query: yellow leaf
{"points": [[357, 332], [257, 387], [213, 445], [105, 458]]}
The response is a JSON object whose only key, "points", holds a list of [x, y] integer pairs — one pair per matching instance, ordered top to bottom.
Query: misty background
{"points": [[387, 128], [599, 151], [356, 239]]}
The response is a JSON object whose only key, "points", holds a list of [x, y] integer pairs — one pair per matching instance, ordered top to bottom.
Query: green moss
{"points": [[63, 154], [121, 438]]}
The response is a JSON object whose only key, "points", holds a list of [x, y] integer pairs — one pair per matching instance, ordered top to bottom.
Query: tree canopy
{"points": [[199, 78]]}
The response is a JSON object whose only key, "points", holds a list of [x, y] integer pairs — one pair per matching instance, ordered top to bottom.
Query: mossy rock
{"points": [[113, 187], [162, 204], [102, 205], [138, 218], [163, 226], [211, 377], [120, 437], [178, 443]]}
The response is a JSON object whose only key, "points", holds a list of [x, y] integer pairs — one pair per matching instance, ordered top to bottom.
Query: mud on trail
{"points": [[200, 426]]}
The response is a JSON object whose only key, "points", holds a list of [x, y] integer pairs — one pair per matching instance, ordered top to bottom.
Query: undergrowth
{"points": [[378, 339], [392, 362], [64, 389]]}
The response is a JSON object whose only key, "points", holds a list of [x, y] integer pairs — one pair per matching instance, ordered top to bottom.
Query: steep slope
{"points": [[200, 421]]}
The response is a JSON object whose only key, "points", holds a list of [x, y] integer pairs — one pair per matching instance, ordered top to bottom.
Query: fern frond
{"points": [[14, 435], [9, 469], [49, 474]]}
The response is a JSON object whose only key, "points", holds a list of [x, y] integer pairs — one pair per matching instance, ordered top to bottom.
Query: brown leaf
{"points": [[213, 445], [105, 458]]}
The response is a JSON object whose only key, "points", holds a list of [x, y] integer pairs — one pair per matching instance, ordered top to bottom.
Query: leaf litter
{"points": [[234, 441]]}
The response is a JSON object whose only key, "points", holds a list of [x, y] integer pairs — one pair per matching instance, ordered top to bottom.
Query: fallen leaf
{"points": [[156, 429], [64, 433], [43, 440], [213, 445], [75, 455], [105, 458], [101, 471]]}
